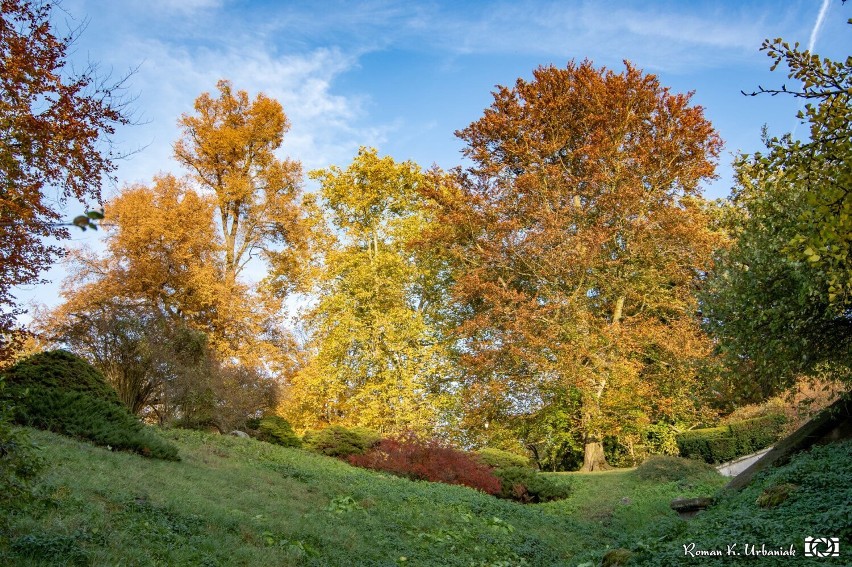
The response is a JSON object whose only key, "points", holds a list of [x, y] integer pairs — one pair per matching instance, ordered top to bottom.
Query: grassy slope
{"points": [[241, 502], [818, 504]]}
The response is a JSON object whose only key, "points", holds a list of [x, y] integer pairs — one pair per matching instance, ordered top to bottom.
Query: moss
{"points": [[776, 495]]}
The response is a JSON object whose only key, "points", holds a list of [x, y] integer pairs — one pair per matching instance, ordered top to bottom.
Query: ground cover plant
{"points": [[61, 392], [809, 497], [240, 501]]}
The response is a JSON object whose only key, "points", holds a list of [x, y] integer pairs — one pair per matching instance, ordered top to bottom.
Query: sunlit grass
{"points": [[235, 501]]}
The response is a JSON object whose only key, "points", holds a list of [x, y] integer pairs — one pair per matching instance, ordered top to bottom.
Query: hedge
{"points": [[720, 444]]}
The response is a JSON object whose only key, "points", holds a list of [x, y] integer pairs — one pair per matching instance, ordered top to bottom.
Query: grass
{"points": [[237, 501]]}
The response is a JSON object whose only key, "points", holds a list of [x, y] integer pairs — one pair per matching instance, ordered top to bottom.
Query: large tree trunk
{"points": [[593, 457]]}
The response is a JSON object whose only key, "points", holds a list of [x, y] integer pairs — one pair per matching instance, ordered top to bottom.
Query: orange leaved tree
{"points": [[51, 126], [579, 234]]}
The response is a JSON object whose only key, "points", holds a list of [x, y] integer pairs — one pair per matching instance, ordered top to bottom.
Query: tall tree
{"points": [[51, 126], [229, 145], [580, 231], [780, 299], [154, 313], [376, 356]]}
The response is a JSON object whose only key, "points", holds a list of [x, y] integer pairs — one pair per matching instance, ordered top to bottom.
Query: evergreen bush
{"points": [[60, 392], [275, 429], [338, 441], [500, 459], [19, 463], [666, 468], [526, 485]]}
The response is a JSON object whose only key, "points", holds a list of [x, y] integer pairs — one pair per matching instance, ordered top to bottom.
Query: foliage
{"points": [[52, 123], [229, 146], [580, 234], [163, 256], [780, 296], [155, 317], [143, 356], [377, 358], [61, 370], [164, 371], [59, 392], [276, 429], [661, 439], [338, 441], [728, 442], [499, 459], [428, 460], [19, 462], [667, 468], [526, 485], [818, 507]]}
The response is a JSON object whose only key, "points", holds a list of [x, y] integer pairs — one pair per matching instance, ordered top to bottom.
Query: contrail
{"points": [[818, 25], [814, 35]]}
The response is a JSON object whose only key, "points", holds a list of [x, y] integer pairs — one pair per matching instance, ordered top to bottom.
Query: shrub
{"points": [[61, 370], [47, 395], [275, 429], [338, 441], [720, 444], [499, 459], [431, 461], [19, 463], [665, 468], [526, 485]]}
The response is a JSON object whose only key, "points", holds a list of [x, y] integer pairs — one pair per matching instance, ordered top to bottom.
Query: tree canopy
{"points": [[53, 124], [580, 233], [780, 299], [376, 358]]}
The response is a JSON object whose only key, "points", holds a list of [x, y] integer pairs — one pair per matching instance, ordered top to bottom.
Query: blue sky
{"points": [[404, 76]]}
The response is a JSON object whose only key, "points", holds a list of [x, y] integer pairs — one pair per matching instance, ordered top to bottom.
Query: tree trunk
{"points": [[593, 457]]}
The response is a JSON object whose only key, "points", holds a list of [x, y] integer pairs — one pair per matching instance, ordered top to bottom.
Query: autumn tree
{"points": [[52, 124], [229, 146], [580, 233], [780, 298], [154, 314], [376, 357]]}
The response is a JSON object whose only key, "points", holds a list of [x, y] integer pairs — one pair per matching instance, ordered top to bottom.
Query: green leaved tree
{"points": [[780, 298]]}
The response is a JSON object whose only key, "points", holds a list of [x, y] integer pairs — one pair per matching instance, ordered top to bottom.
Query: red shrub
{"points": [[430, 460]]}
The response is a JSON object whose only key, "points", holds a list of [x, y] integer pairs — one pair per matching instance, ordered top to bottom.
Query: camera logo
{"points": [[822, 547]]}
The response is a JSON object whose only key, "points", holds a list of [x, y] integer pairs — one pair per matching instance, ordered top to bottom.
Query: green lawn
{"points": [[236, 501]]}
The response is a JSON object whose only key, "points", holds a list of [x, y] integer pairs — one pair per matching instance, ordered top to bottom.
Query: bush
{"points": [[61, 370], [47, 394], [275, 429], [338, 441], [720, 444], [499, 459], [431, 461], [19, 463], [665, 468], [526, 485]]}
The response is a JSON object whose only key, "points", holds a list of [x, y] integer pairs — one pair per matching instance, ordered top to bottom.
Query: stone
{"points": [[240, 434], [688, 507]]}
